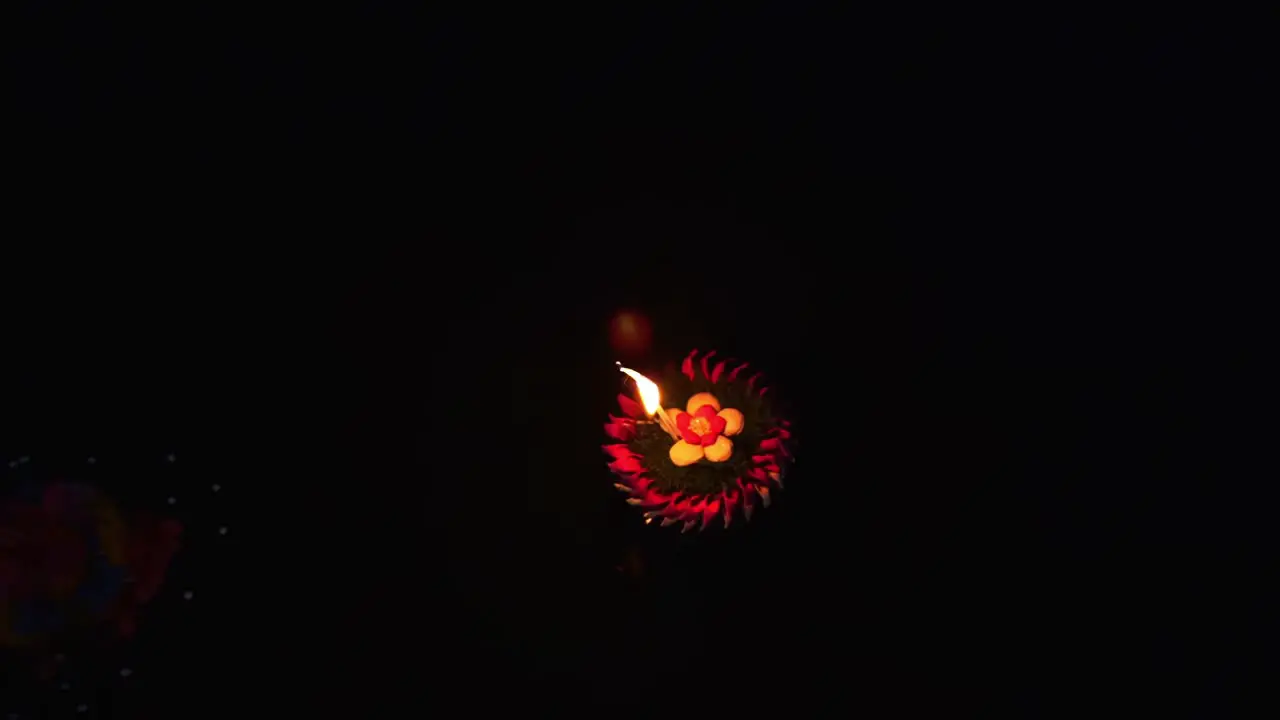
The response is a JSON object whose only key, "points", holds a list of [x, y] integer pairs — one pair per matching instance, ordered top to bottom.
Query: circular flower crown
{"points": [[725, 448]]}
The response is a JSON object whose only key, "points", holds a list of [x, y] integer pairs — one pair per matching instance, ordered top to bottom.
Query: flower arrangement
{"points": [[720, 450]]}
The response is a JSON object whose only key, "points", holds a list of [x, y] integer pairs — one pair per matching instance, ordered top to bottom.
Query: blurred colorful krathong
{"points": [[72, 562]]}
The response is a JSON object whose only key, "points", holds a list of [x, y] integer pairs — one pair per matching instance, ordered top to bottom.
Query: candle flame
{"points": [[650, 396]]}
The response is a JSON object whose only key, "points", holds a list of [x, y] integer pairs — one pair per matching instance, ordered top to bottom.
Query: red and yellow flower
{"points": [[704, 430]]}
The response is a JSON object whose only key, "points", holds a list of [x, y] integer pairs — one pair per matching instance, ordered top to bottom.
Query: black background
{"points": [[364, 262]]}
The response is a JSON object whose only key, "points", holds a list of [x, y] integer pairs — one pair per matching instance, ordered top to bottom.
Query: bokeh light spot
{"points": [[630, 333]]}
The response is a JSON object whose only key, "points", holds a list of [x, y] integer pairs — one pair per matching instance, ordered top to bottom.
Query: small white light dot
{"points": [[171, 457], [24, 458], [93, 460], [13, 463], [216, 487], [173, 500], [222, 530], [188, 595], [59, 657], [125, 672], [65, 686], [81, 708]]}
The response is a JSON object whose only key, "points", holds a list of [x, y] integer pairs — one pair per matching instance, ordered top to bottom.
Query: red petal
{"points": [[705, 358], [686, 367], [715, 374], [734, 374], [751, 382], [763, 390], [630, 407], [706, 411], [682, 421], [625, 422], [785, 423], [717, 424], [619, 432], [782, 433], [690, 436], [709, 439], [775, 446], [621, 451], [762, 459], [626, 465], [757, 474], [646, 484], [652, 498], [748, 500], [642, 501], [730, 504], [680, 508], [684, 509], [669, 510], [711, 510], [695, 511]]}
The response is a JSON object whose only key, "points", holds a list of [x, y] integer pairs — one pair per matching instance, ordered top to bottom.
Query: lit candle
{"points": [[651, 398]]}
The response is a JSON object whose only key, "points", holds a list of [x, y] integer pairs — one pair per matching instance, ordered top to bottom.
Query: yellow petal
{"points": [[701, 399], [732, 421], [720, 450], [683, 453]]}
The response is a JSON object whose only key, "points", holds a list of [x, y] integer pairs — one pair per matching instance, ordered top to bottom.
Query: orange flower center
{"points": [[700, 425]]}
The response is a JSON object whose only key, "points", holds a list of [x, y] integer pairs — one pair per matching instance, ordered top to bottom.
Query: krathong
{"points": [[717, 446]]}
